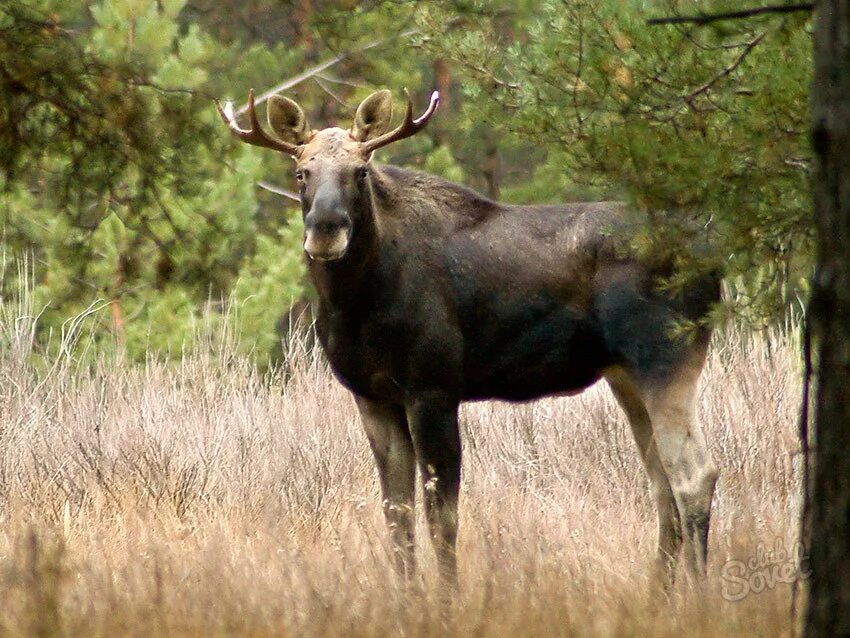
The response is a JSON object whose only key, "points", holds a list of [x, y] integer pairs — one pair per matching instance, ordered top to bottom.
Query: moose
{"points": [[431, 294]]}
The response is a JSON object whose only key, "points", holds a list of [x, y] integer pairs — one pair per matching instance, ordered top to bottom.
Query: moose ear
{"points": [[373, 116], [287, 120]]}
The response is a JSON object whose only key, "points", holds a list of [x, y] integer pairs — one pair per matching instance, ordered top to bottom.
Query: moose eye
{"points": [[362, 173], [300, 176]]}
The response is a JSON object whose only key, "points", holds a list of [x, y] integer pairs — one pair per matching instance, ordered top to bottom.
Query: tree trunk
{"points": [[304, 34], [443, 82], [493, 170], [115, 303], [829, 497]]}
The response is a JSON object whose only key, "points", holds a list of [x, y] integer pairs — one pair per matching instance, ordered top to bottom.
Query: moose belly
{"points": [[531, 349]]}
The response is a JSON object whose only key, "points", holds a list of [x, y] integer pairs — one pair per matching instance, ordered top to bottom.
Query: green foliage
{"points": [[705, 128], [440, 162], [117, 174], [120, 181], [268, 282]]}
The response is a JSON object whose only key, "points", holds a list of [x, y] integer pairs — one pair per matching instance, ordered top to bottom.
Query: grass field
{"points": [[200, 498]]}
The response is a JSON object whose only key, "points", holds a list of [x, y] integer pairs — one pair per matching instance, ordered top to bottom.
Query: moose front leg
{"points": [[432, 419], [389, 438]]}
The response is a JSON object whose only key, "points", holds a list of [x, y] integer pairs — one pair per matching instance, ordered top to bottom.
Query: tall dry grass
{"points": [[200, 498]]}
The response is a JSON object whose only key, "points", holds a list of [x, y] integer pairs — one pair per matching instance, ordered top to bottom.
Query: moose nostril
{"points": [[326, 228]]}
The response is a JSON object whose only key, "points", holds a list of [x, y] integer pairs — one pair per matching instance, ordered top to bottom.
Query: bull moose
{"points": [[431, 294]]}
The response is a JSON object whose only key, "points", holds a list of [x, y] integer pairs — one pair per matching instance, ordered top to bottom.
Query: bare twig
{"points": [[733, 15], [306, 75], [337, 80], [322, 85], [277, 190]]}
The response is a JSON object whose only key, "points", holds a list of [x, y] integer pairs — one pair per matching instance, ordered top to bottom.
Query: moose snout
{"points": [[326, 237]]}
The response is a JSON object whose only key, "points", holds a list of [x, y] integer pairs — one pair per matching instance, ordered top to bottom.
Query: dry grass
{"points": [[202, 499]]}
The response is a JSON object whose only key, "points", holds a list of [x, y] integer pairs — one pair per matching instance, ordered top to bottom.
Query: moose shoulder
{"points": [[430, 294]]}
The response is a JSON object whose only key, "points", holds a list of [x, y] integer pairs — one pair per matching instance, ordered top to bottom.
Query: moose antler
{"points": [[408, 126], [255, 135]]}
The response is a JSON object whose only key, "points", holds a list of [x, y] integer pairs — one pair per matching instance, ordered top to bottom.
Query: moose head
{"points": [[332, 165]]}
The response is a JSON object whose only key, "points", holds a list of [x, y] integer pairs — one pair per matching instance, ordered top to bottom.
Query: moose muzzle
{"points": [[326, 238]]}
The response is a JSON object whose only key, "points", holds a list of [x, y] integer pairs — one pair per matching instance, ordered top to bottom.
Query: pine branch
{"points": [[734, 15], [727, 71]]}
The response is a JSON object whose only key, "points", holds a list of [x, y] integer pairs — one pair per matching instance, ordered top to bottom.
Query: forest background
{"points": [[123, 196]]}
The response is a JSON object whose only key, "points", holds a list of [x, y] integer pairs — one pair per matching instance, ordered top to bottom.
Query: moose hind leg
{"points": [[433, 423], [389, 438], [682, 449], [669, 527]]}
